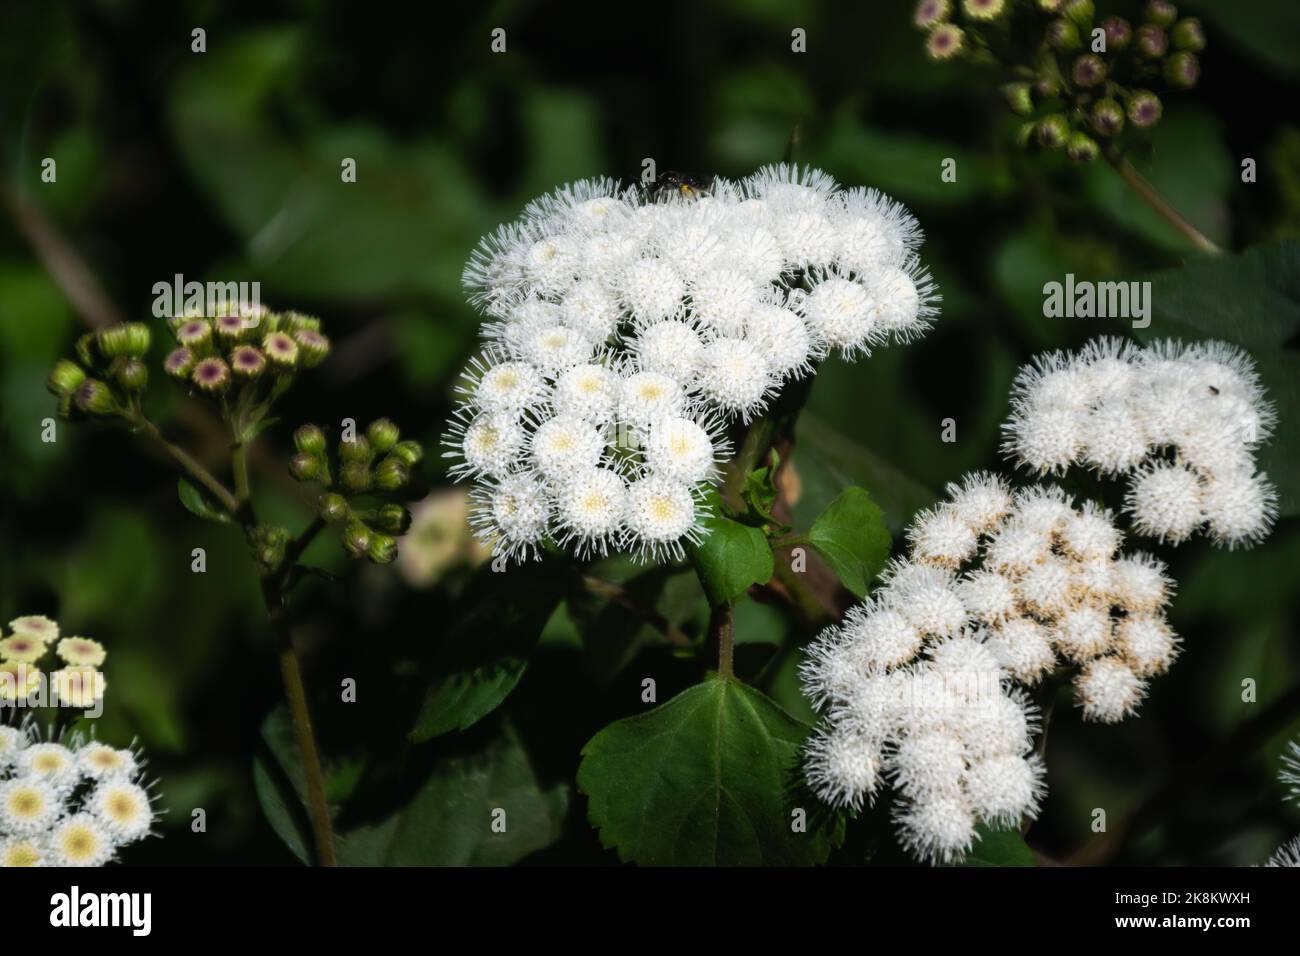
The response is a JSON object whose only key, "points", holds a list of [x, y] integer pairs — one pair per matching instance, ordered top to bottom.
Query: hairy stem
{"points": [[1153, 198], [190, 465], [722, 631], [296, 695]]}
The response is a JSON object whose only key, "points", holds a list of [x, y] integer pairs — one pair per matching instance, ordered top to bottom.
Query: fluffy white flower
{"points": [[842, 313], [674, 348], [736, 377], [588, 391], [646, 397], [487, 447], [681, 449], [1167, 502], [590, 510], [661, 515], [513, 516], [880, 636], [1147, 643], [1108, 690], [843, 767], [1288, 854]]}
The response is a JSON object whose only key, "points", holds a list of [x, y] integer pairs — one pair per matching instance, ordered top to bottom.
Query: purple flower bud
{"points": [[1161, 12], [1118, 33], [1188, 35], [1151, 41], [1089, 70], [1182, 70], [1144, 108], [1107, 117], [247, 362], [179, 363], [211, 375]]}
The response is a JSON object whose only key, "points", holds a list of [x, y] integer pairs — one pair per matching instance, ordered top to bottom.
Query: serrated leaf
{"points": [[1251, 300], [197, 503], [851, 535], [730, 559], [486, 652], [706, 779], [999, 848]]}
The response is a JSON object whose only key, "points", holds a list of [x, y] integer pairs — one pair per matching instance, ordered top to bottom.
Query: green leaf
{"points": [[1251, 300], [759, 492], [197, 503], [851, 535], [731, 558], [485, 654], [707, 779], [999, 848]]}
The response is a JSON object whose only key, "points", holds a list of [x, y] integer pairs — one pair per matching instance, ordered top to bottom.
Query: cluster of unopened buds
{"points": [[1078, 81], [628, 327], [248, 349], [108, 375], [366, 469], [1004, 589], [32, 640], [73, 802]]}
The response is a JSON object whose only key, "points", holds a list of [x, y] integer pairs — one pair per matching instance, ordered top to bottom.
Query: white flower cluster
{"points": [[626, 328], [1183, 422], [997, 588], [67, 804], [1288, 854]]}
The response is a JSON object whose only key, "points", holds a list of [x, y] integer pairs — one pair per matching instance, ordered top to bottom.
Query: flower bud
{"points": [[1050, 6], [984, 9], [1080, 11], [930, 12], [1161, 12], [1119, 33], [1063, 35], [1189, 35], [945, 42], [1151, 42], [1089, 70], [1182, 70], [1047, 86], [1019, 97], [1144, 109], [1107, 117], [1053, 131], [1025, 134], [1081, 148], [295, 321], [230, 328], [195, 335], [138, 339], [112, 341], [312, 346], [281, 349], [87, 350], [247, 362], [179, 363], [131, 374], [211, 375], [65, 377], [94, 398], [383, 434], [310, 439], [357, 450], [409, 452], [305, 466], [392, 474], [355, 477], [333, 507], [394, 519], [356, 539], [270, 546], [383, 548]]}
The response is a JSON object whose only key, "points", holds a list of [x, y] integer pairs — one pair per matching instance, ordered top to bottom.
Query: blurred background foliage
{"points": [[225, 165]]}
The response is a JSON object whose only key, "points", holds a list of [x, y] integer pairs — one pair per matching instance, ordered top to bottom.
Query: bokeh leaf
{"points": [[851, 535]]}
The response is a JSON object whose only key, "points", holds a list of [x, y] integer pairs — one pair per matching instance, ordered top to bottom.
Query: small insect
{"points": [[682, 184]]}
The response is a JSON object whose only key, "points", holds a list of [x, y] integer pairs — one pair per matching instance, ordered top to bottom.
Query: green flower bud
{"points": [[1050, 6], [984, 9], [1080, 11], [931, 12], [1161, 12], [1119, 33], [1063, 35], [1189, 35], [945, 42], [1152, 43], [1182, 70], [1089, 71], [1047, 86], [1019, 97], [1144, 109], [1107, 117], [1053, 131], [1025, 134], [1081, 148], [295, 321], [232, 329], [195, 335], [139, 339], [113, 342], [312, 346], [281, 349], [87, 352], [247, 362], [179, 363], [131, 374], [211, 375], [65, 378], [94, 398], [67, 407], [383, 434], [309, 438], [357, 450], [409, 452], [305, 466], [392, 474], [355, 477], [333, 507], [394, 519], [356, 539], [270, 546], [383, 548]]}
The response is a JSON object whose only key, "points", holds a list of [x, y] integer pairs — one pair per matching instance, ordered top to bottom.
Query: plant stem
{"points": [[1153, 198], [190, 465], [239, 465], [722, 629], [296, 695]]}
